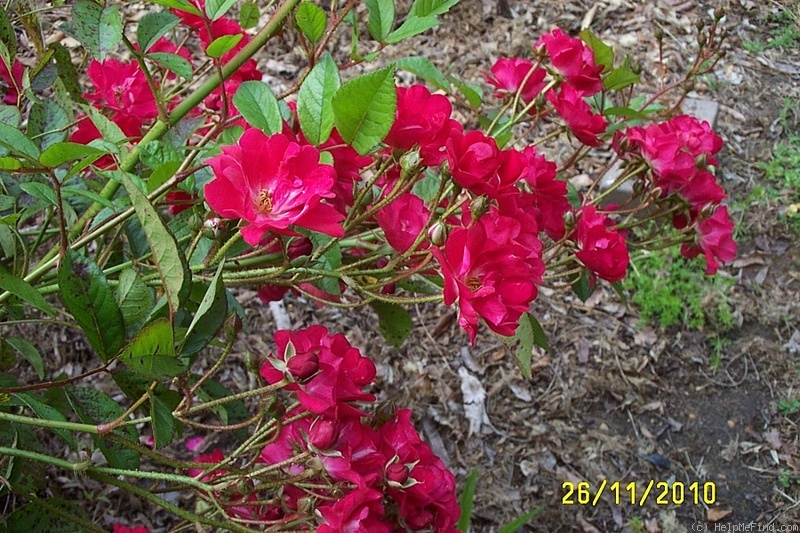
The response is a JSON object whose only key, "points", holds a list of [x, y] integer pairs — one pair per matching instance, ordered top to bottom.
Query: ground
{"points": [[615, 398]]}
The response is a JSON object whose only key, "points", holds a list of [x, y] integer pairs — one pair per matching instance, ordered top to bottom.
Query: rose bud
{"points": [[303, 366]]}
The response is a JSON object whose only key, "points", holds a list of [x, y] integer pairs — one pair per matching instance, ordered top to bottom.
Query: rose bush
{"points": [[177, 175]]}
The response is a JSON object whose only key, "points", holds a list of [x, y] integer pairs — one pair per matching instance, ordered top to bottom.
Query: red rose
{"points": [[574, 60], [571, 106], [273, 183], [600, 246]]}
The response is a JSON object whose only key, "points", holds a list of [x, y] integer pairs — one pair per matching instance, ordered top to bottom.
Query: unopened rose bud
{"points": [[719, 13], [700, 25], [659, 34], [701, 161], [409, 162], [478, 207], [437, 234], [299, 247], [233, 325], [303, 366], [384, 412], [323, 434], [396, 474]]}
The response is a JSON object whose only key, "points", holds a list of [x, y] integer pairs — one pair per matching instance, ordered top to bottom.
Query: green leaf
{"points": [[180, 5], [216, 8], [426, 8], [248, 15], [381, 18], [312, 21], [154, 26], [412, 26], [98, 29], [7, 35], [222, 45], [603, 54], [173, 63], [423, 68], [67, 72], [619, 78], [473, 93], [314, 100], [258, 106], [364, 109], [624, 112], [11, 116], [48, 122], [110, 131], [17, 143], [62, 152], [10, 163], [41, 191], [68, 192], [330, 260], [170, 262], [582, 286], [24, 291], [88, 297], [134, 297], [209, 318], [394, 322], [529, 332], [29, 352], [152, 352], [94, 407], [47, 412], [162, 421], [467, 501], [35, 518], [517, 523]]}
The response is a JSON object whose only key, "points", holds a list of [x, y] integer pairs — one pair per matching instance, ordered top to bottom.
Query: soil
{"points": [[612, 400]]}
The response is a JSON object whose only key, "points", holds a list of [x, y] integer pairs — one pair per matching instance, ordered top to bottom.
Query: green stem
{"points": [[44, 423], [42, 458], [186, 515]]}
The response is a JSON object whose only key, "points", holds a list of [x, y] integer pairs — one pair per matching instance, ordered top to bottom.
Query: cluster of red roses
{"points": [[679, 154], [376, 473]]}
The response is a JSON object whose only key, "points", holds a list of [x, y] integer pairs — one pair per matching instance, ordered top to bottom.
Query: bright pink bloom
{"points": [[574, 60], [508, 74], [12, 80], [122, 89], [571, 106], [423, 120], [679, 152], [477, 164], [273, 183], [549, 194], [403, 220], [716, 240], [600, 246], [491, 268], [343, 371], [419, 482], [360, 511], [123, 529]]}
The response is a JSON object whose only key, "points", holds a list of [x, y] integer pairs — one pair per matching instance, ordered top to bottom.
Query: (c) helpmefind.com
{"points": [[743, 527]]}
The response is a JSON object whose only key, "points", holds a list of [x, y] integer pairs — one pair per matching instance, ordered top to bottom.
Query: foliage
{"points": [[139, 188], [669, 290]]}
